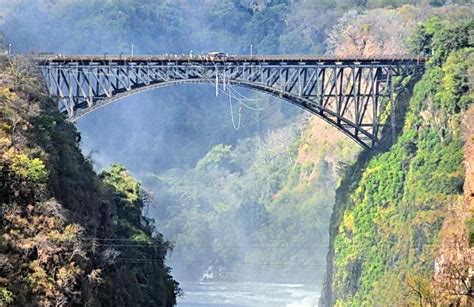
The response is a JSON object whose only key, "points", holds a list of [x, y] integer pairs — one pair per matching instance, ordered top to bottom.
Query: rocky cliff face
{"points": [[468, 129], [399, 231], [68, 236], [453, 278]]}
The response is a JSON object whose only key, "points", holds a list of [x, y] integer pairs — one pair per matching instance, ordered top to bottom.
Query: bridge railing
{"points": [[59, 57]]}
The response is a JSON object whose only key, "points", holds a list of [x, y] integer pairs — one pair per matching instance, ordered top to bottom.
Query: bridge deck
{"points": [[267, 59], [350, 93]]}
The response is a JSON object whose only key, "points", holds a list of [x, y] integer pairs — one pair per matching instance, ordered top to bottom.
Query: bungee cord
{"points": [[236, 128]]}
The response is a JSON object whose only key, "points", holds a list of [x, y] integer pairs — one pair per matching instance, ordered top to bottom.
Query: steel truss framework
{"points": [[352, 95]]}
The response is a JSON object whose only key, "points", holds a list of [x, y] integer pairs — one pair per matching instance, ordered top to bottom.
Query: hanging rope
{"points": [[236, 127]]}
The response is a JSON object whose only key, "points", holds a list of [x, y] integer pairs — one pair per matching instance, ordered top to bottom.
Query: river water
{"points": [[216, 294]]}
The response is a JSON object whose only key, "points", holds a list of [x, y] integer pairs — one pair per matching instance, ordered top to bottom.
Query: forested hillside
{"points": [[243, 186], [400, 226], [68, 236]]}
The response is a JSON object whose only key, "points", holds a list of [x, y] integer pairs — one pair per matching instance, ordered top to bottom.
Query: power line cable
{"points": [[134, 240], [208, 246], [143, 260]]}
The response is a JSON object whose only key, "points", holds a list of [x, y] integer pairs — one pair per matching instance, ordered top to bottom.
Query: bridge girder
{"points": [[350, 95]]}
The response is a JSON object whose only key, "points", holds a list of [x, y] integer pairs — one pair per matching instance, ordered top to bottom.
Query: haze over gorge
{"points": [[302, 153]]}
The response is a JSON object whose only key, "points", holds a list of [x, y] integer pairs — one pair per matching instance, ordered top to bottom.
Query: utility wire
{"points": [[133, 240], [208, 246], [142, 260]]}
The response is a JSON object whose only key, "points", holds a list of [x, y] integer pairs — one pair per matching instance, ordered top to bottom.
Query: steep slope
{"points": [[469, 166], [395, 210], [66, 235]]}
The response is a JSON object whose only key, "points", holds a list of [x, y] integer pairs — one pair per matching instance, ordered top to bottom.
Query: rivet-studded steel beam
{"points": [[350, 93]]}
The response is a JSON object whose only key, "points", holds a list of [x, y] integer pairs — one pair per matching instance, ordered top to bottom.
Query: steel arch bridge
{"points": [[351, 94]]}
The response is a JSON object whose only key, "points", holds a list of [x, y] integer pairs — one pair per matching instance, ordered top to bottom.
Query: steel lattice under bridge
{"points": [[351, 93]]}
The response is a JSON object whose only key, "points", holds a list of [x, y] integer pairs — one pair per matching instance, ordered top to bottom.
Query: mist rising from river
{"points": [[162, 134]]}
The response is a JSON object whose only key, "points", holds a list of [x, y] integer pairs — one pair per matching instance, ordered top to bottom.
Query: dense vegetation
{"points": [[257, 204], [258, 211], [387, 224], [66, 235]]}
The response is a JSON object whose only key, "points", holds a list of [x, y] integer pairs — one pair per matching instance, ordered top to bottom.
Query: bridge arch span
{"points": [[350, 94], [301, 102]]}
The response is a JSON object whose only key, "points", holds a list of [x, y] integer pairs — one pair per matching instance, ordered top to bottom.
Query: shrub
{"points": [[29, 169], [470, 231], [5, 296]]}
